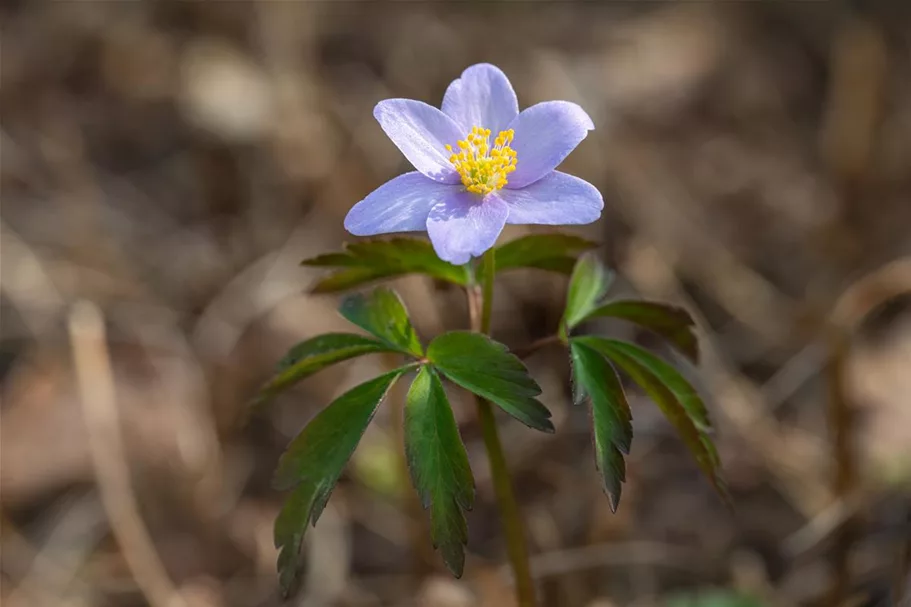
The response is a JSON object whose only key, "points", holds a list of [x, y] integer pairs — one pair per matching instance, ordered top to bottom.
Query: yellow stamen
{"points": [[484, 169]]}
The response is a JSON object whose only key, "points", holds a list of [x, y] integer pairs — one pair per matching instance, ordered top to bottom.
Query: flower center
{"points": [[484, 168]]}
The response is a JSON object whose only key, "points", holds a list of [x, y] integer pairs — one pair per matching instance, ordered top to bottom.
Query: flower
{"points": [[466, 188]]}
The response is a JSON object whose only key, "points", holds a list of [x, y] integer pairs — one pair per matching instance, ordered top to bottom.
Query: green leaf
{"points": [[554, 252], [369, 260], [587, 286], [383, 315], [672, 323], [314, 354], [488, 369], [682, 390], [612, 430], [697, 441], [315, 460], [439, 466], [290, 527], [712, 598]]}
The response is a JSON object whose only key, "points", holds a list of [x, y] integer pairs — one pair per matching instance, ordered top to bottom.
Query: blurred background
{"points": [[173, 162]]}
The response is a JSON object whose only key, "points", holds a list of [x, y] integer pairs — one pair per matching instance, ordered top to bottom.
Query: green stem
{"points": [[490, 268], [537, 345], [516, 546]]}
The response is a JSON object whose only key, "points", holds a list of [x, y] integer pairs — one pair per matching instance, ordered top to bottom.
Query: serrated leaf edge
{"points": [[289, 545]]}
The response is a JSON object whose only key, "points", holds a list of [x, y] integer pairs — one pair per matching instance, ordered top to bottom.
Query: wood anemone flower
{"points": [[467, 186]]}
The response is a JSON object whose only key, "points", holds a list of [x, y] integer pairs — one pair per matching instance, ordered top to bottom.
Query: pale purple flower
{"points": [[467, 187]]}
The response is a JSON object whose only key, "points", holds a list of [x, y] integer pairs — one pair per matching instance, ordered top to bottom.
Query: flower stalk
{"points": [[480, 306]]}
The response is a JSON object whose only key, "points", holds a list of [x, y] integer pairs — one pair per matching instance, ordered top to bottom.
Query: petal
{"points": [[482, 97], [421, 132], [545, 134], [557, 199], [399, 205], [465, 225]]}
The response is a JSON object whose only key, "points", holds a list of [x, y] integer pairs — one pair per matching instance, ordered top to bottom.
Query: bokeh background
{"points": [[172, 162]]}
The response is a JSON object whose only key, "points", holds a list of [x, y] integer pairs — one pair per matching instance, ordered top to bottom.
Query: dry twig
{"points": [[96, 388]]}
